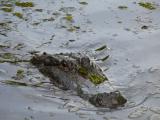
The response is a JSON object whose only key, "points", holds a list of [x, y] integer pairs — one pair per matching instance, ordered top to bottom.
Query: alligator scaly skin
{"points": [[74, 71]]}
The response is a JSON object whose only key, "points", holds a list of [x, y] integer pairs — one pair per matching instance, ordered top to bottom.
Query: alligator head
{"points": [[108, 100]]}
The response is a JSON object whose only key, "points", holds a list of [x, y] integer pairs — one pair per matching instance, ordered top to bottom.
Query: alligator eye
{"points": [[44, 53]]}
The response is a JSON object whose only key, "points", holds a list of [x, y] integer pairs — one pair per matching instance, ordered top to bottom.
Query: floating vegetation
{"points": [[83, 3], [24, 4], [7, 5], [147, 5], [122, 7], [6, 9], [67, 9], [39, 10], [18, 14], [69, 17], [48, 19], [3, 24], [144, 27], [4, 28], [73, 28], [71, 40], [3, 46], [19, 46], [101, 48], [7, 56], [103, 59], [13, 61], [83, 71], [19, 74], [93, 77], [96, 79], [15, 83], [20, 83]]}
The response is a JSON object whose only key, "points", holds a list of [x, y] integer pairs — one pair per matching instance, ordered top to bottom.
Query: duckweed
{"points": [[24, 4], [147, 5], [6, 9], [19, 15], [69, 17], [96, 79]]}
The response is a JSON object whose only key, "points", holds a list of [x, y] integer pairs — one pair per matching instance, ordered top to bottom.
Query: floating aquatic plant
{"points": [[83, 3], [24, 4], [147, 5], [122, 7], [6, 9], [19, 15], [69, 17], [101, 48], [7, 56], [20, 74], [93, 77], [96, 78], [14, 82]]}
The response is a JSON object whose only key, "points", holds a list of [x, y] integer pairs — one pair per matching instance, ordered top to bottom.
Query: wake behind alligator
{"points": [[76, 72]]}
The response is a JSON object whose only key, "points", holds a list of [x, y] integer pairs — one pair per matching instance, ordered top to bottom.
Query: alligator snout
{"points": [[108, 100]]}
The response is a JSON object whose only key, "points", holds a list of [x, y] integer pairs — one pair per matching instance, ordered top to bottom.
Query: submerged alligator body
{"points": [[76, 72]]}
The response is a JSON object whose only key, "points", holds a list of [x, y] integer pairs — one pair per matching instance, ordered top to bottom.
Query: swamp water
{"points": [[125, 30]]}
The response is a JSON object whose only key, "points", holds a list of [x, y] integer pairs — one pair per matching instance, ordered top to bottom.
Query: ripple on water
{"points": [[155, 110], [138, 113], [155, 117]]}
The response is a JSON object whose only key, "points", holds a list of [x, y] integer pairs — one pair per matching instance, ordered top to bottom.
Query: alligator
{"points": [[76, 72]]}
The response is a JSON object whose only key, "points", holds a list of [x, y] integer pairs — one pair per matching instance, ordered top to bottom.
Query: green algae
{"points": [[24, 4], [147, 5], [6, 9], [18, 14], [69, 17], [101, 48], [83, 71], [93, 77], [96, 78]]}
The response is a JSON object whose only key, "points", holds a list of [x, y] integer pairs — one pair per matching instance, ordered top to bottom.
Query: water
{"points": [[133, 66]]}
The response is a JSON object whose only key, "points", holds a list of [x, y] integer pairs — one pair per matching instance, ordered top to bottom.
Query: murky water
{"points": [[56, 26]]}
